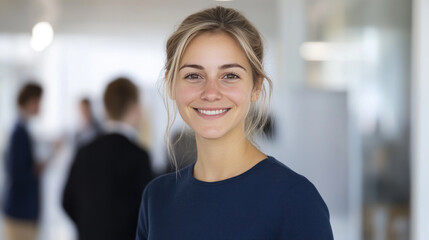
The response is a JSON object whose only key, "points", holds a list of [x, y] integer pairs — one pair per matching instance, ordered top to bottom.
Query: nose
{"points": [[211, 91]]}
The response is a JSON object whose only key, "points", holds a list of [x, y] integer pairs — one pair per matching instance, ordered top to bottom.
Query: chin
{"points": [[210, 134]]}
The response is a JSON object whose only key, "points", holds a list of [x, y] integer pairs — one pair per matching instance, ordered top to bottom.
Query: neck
{"points": [[24, 114], [223, 158]]}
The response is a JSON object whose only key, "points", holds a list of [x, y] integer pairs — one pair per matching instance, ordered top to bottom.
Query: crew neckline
{"points": [[228, 180]]}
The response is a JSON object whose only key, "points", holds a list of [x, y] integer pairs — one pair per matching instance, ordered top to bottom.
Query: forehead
{"points": [[212, 48]]}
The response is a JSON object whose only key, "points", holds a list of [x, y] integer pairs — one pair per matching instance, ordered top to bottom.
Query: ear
{"points": [[257, 89]]}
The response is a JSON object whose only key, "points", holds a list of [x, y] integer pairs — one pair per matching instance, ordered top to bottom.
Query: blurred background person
{"points": [[90, 127], [108, 175], [21, 197]]}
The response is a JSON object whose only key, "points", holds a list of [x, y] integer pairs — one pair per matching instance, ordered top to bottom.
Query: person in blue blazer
{"points": [[21, 197]]}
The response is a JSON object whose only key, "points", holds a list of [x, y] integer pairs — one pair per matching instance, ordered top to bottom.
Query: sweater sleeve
{"points": [[308, 213], [143, 221]]}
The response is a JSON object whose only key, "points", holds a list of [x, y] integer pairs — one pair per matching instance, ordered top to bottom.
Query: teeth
{"points": [[212, 112]]}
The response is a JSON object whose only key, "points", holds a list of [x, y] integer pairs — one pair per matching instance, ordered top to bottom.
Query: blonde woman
{"points": [[214, 76]]}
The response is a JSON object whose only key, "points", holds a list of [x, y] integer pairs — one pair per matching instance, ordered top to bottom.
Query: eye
{"points": [[193, 76], [231, 76]]}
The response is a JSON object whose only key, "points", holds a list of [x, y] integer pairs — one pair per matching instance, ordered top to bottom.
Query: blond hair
{"points": [[233, 23]]}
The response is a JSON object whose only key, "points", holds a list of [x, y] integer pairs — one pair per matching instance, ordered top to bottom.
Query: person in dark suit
{"points": [[109, 174], [21, 196]]}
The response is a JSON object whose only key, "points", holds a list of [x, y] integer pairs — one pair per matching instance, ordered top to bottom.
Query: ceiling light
{"points": [[42, 36]]}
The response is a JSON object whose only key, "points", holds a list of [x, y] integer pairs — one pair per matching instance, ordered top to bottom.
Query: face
{"points": [[214, 86], [33, 106], [85, 111], [134, 115]]}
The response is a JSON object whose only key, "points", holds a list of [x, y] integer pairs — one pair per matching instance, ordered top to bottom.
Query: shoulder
{"points": [[19, 130], [19, 137], [108, 139], [114, 141], [272, 171], [171, 179], [168, 183], [290, 186], [303, 207]]}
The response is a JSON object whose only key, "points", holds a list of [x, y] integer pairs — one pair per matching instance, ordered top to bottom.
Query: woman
{"points": [[214, 75]]}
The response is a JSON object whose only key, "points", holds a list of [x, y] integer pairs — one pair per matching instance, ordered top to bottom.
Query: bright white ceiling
{"points": [[129, 17]]}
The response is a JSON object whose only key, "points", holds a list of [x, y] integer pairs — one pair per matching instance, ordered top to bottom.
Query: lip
{"points": [[223, 112]]}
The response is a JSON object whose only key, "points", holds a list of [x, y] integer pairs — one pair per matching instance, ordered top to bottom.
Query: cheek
{"points": [[185, 95], [239, 95], [35, 107]]}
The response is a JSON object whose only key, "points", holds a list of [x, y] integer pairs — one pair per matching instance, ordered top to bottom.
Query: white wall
{"points": [[312, 134], [420, 137]]}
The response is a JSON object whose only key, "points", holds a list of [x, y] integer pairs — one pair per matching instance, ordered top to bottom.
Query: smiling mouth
{"points": [[212, 112]]}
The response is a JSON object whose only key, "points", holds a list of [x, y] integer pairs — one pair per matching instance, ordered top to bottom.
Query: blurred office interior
{"points": [[347, 102]]}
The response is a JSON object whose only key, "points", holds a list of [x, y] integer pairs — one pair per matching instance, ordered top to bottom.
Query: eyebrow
{"points": [[225, 66]]}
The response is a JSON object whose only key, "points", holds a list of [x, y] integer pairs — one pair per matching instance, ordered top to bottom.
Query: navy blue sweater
{"points": [[269, 201]]}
